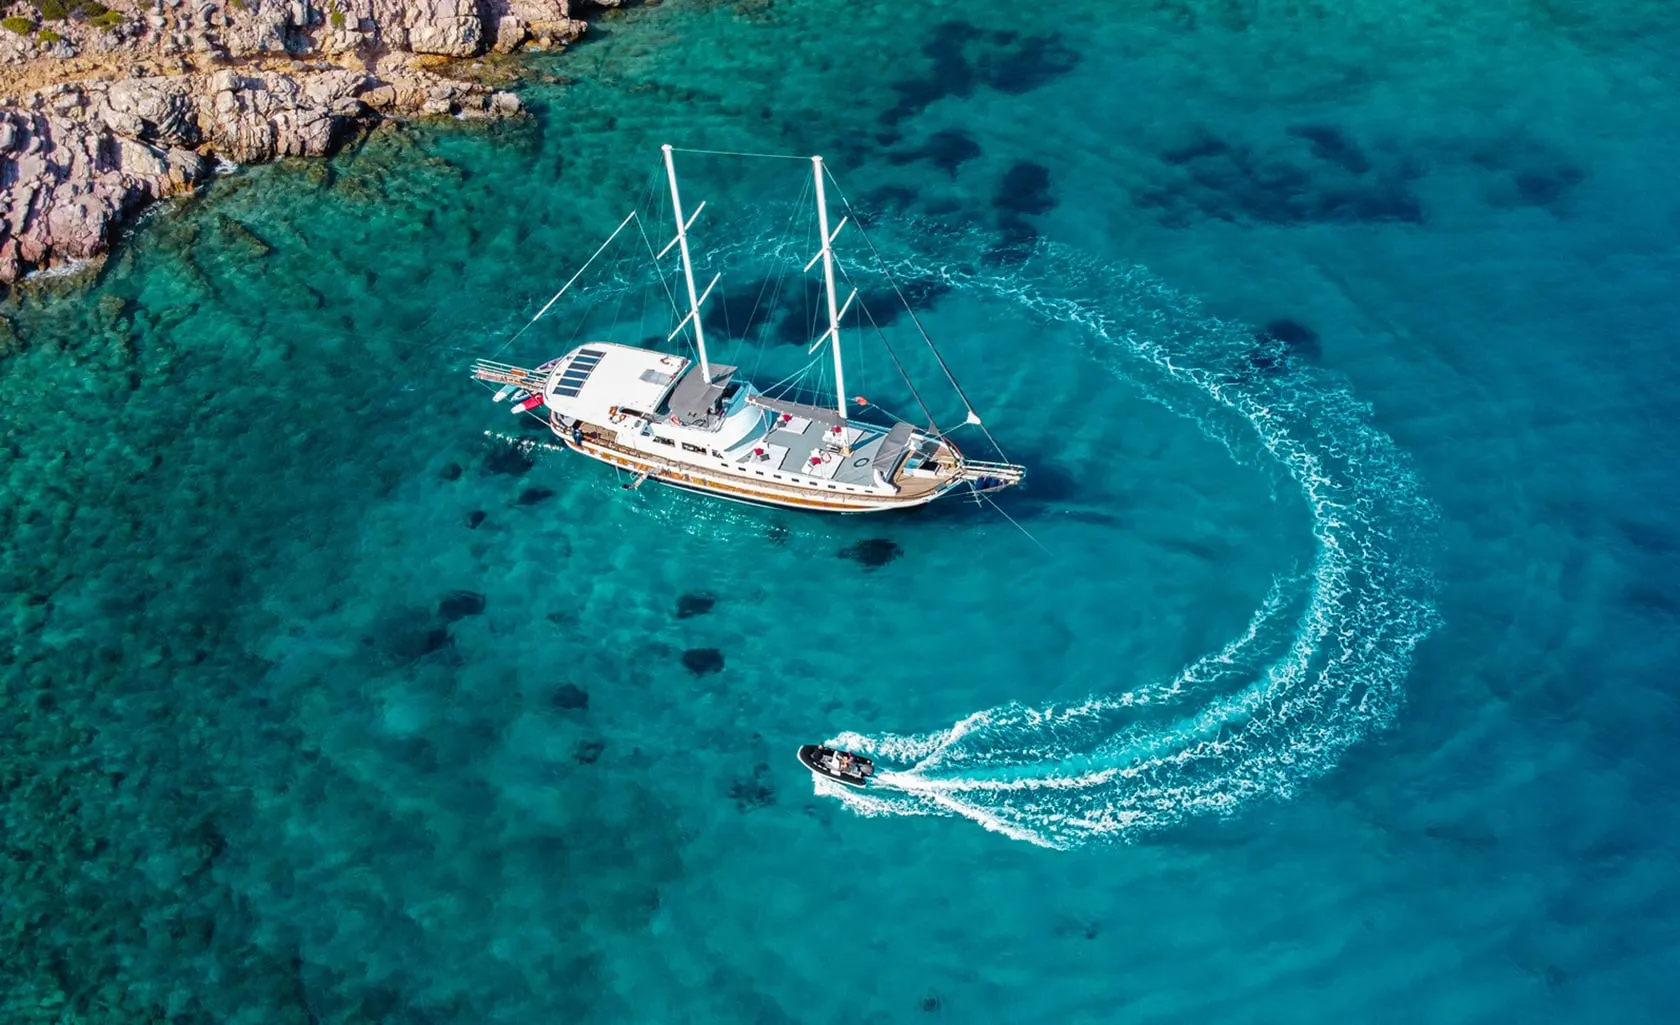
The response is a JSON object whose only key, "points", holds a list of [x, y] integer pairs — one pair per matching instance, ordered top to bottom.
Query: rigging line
{"points": [[733, 153], [847, 203], [656, 273], [765, 282], [567, 285], [623, 293], [796, 375], [933, 423], [1011, 519]]}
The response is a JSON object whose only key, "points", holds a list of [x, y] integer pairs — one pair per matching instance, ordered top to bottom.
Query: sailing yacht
{"points": [[701, 426]]}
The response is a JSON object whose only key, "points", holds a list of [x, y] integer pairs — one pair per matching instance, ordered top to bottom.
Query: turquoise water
{"points": [[1336, 685]]}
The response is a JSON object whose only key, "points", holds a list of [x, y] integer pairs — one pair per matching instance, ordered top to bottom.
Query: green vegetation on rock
{"points": [[51, 10], [107, 21], [22, 26], [48, 37]]}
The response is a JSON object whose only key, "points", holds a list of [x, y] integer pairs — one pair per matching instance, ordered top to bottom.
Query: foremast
{"points": [[681, 242], [834, 310]]}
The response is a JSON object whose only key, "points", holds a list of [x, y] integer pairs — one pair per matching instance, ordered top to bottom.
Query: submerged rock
{"points": [[512, 460], [451, 472], [531, 496], [474, 518], [873, 553], [694, 604], [457, 605], [409, 644], [701, 661], [570, 698], [754, 791]]}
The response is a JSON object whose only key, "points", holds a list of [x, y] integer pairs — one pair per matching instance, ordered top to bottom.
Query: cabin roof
{"points": [[594, 378]]}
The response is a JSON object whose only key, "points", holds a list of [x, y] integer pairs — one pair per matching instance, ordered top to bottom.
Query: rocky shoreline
{"points": [[104, 110]]}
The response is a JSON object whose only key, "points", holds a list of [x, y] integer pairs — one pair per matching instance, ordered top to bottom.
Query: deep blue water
{"points": [[1334, 683]]}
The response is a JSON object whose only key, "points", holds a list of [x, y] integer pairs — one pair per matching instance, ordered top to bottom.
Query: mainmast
{"points": [[688, 270], [834, 312]]}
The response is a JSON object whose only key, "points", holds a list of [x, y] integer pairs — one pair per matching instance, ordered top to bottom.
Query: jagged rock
{"points": [[448, 28], [510, 33], [380, 97], [153, 109], [76, 159]]}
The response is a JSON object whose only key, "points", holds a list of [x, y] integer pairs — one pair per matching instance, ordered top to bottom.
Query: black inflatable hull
{"points": [[819, 760]]}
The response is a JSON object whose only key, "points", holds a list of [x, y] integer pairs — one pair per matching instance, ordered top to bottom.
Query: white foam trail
{"points": [[1320, 664], [1100, 771]]}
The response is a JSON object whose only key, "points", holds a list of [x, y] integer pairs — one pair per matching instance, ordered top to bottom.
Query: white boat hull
{"points": [[718, 485]]}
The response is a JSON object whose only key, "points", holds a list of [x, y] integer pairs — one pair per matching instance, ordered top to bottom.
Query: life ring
{"points": [[667, 360], [617, 418], [675, 420], [828, 457], [860, 461]]}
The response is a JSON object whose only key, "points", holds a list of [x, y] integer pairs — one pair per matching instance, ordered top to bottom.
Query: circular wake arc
{"points": [[1321, 663]]}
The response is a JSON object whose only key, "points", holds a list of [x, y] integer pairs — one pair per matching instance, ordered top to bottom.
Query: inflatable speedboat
{"points": [[840, 766]]}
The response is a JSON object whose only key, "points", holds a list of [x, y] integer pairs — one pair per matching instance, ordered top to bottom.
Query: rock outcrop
{"points": [[109, 109]]}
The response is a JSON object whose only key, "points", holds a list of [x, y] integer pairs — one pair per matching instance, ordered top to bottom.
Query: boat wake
{"points": [[1322, 662]]}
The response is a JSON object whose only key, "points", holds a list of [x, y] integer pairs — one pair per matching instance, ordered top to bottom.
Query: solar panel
{"points": [[577, 372]]}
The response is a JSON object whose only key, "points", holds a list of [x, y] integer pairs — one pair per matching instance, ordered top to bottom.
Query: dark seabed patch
{"points": [[962, 57], [1332, 144], [947, 149], [1523, 172], [1309, 177], [1025, 189], [1016, 241], [886, 306], [802, 310], [738, 313], [1279, 342], [512, 460], [451, 471], [1049, 483], [531, 496], [474, 518], [872, 553], [696, 603], [457, 605], [415, 643], [701, 661], [569, 697], [588, 752], [755, 791]]}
